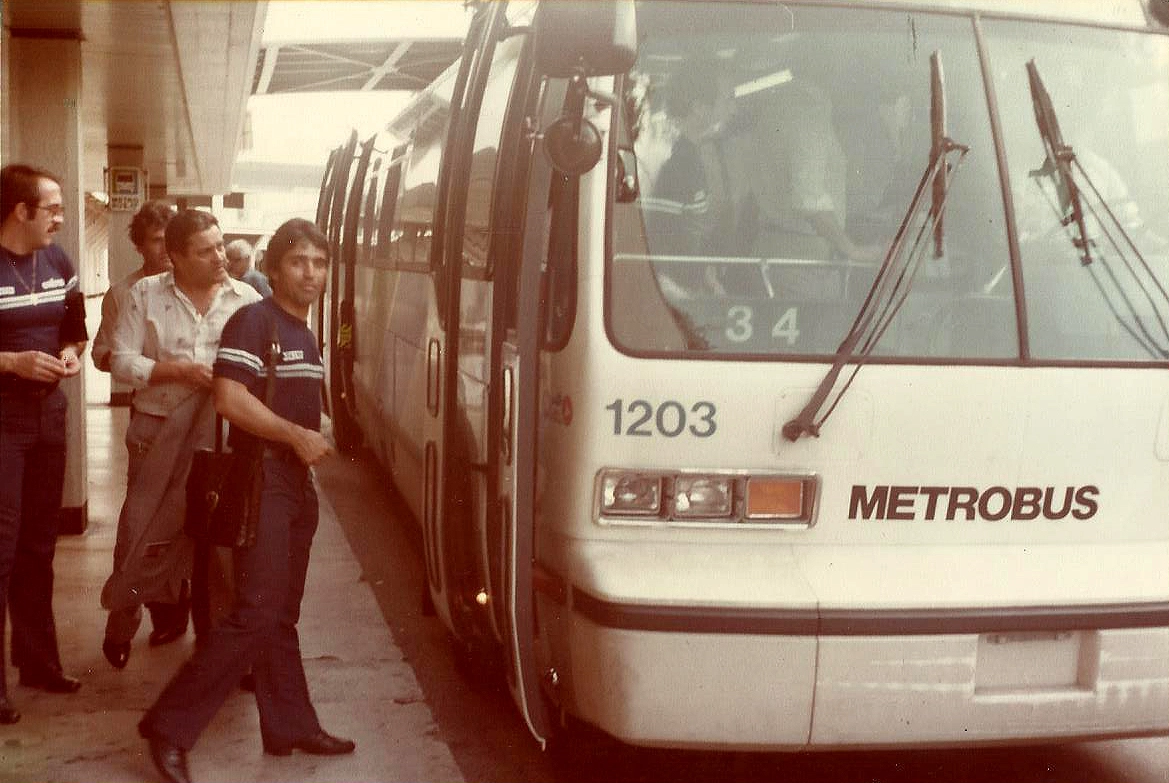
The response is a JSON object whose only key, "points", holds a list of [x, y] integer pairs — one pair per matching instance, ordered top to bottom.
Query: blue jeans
{"points": [[32, 474], [260, 633]]}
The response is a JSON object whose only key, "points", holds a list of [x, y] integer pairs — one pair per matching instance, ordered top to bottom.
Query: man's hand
{"points": [[72, 361], [40, 366], [182, 371], [198, 375], [236, 404], [310, 445]]}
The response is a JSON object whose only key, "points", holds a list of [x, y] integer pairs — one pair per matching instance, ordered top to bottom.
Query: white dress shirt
{"points": [[112, 304], [160, 324]]}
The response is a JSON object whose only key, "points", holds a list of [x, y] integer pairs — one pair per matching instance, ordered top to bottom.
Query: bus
{"points": [[779, 375]]}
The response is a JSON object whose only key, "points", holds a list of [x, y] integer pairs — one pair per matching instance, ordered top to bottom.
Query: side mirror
{"points": [[585, 37], [573, 145]]}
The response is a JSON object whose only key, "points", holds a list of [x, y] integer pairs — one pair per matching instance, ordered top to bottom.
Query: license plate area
{"points": [[1026, 661]]}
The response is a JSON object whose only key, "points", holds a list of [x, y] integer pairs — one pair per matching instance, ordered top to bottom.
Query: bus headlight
{"points": [[635, 494], [709, 497], [700, 499]]}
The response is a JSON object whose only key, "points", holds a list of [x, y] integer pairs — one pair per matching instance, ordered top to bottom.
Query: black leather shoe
{"points": [[160, 636], [117, 653], [52, 680], [8, 713], [319, 744], [169, 759]]}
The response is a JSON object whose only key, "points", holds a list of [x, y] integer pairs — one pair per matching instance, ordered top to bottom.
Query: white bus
{"points": [[780, 375]]}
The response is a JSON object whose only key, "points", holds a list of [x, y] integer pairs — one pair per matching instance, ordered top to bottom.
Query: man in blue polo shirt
{"points": [[42, 334], [260, 633]]}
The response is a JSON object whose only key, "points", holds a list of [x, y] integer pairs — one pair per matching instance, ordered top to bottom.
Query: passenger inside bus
{"points": [[818, 158], [691, 209], [793, 211]]}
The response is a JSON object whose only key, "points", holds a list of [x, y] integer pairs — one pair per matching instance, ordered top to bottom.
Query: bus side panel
{"points": [[408, 409]]}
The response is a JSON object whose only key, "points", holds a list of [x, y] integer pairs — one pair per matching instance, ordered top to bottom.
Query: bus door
{"points": [[568, 43], [324, 205], [330, 219], [520, 246], [519, 388], [346, 432], [444, 458]]}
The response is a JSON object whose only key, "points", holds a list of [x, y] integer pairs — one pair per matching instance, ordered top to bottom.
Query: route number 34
{"points": [[740, 327], [641, 418]]}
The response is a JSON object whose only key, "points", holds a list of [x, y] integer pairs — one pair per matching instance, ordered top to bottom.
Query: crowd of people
{"points": [[192, 331]]}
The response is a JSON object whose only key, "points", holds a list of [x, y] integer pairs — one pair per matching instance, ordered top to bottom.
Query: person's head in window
{"points": [[698, 98]]}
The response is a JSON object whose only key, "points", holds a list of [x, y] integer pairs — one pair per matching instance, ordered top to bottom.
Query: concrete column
{"points": [[44, 117]]}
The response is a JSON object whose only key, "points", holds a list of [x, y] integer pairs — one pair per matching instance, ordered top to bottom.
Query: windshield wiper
{"points": [[1058, 162], [1065, 169], [894, 279]]}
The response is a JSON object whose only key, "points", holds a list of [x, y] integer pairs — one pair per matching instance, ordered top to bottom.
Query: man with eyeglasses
{"points": [[42, 335]]}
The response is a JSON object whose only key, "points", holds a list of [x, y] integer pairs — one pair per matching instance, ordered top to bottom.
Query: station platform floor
{"points": [[361, 686]]}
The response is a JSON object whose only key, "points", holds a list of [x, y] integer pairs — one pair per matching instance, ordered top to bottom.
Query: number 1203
{"points": [[641, 418]]}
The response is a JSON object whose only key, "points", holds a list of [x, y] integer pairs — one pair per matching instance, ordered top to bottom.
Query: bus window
{"points": [[1111, 99], [425, 124], [775, 174], [388, 208], [369, 209], [476, 227]]}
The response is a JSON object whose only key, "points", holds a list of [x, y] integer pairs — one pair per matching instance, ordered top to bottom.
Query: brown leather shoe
{"points": [[168, 633], [319, 744], [169, 759]]}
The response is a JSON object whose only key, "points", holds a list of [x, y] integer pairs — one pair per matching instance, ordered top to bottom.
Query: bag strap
{"points": [[274, 353], [270, 362]]}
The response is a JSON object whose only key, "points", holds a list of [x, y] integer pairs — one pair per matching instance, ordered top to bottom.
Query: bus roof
{"points": [[1119, 12]]}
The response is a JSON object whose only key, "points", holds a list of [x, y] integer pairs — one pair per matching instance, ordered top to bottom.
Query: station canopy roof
{"points": [[358, 65], [166, 80]]}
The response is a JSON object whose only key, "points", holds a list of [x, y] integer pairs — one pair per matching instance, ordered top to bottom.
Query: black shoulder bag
{"points": [[224, 487]]}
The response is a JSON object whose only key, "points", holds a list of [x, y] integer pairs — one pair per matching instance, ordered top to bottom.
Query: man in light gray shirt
{"points": [[164, 345]]}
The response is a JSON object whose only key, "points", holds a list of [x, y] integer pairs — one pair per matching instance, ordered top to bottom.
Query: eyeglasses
{"points": [[56, 210]]}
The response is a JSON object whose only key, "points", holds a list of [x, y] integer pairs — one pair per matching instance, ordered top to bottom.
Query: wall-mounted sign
{"points": [[127, 188]]}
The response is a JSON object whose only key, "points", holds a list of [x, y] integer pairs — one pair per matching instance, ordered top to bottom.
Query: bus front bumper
{"points": [[789, 671], [743, 690]]}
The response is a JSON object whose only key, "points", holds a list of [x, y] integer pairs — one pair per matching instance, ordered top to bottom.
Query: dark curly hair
{"points": [[152, 216]]}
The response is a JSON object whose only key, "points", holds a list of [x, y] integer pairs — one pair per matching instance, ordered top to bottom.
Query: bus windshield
{"points": [[779, 148], [1089, 293]]}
